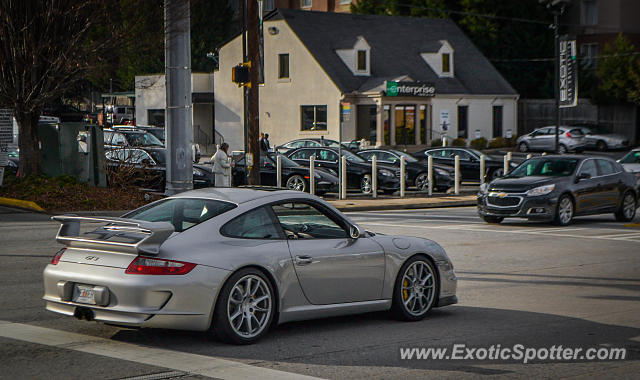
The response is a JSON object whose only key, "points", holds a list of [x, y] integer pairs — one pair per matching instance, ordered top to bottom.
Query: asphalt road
{"points": [[519, 283]]}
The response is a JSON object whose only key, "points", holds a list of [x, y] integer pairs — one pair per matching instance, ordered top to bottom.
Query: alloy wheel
{"points": [[562, 149], [422, 182], [296, 183], [365, 184], [629, 206], [565, 211], [418, 288], [249, 307]]}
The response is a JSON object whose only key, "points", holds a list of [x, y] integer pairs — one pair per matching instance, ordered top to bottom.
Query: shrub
{"points": [[436, 142], [459, 142], [498, 142], [479, 143]]}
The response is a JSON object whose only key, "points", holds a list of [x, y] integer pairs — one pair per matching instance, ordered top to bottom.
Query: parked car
{"points": [[118, 114], [159, 132], [129, 137], [571, 139], [602, 139], [312, 143], [469, 162], [631, 162], [149, 167], [358, 170], [416, 170], [294, 176], [557, 188], [237, 262]]}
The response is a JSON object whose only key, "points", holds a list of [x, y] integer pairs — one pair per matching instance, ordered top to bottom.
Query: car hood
{"points": [[520, 184]]}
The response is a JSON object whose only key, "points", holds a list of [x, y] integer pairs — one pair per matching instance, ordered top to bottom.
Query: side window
{"points": [[107, 137], [118, 139], [311, 143], [296, 144], [302, 154], [327, 155], [366, 155], [465, 156], [387, 157], [589, 167], [607, 167], [304, 221], [255, 224]]}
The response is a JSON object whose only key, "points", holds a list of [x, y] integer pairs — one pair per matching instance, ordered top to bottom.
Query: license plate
{"points": [[84, 294]]}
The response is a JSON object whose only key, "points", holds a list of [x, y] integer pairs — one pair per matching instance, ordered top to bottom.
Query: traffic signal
{"points": [[240, 74]]}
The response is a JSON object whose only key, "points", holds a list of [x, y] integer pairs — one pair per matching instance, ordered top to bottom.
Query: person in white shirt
{"points": [[222, 167]]}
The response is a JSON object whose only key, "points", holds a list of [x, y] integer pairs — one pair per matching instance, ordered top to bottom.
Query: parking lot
{"points": [[519, 283]]}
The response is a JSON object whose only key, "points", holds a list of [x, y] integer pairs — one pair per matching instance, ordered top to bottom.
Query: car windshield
{"points": [[159, 133], [143, 139], [407, 156], [352, 157], [631, 158], [286, 162], [546, 167], [183, 213]]}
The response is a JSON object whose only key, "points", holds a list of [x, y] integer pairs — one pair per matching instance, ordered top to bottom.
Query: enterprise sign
{"points": [[410, 89]]}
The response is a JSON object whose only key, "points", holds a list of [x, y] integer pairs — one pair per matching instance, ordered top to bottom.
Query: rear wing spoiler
{"points": [[145, 237]]}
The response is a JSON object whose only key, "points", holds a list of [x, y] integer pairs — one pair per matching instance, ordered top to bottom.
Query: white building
{"points": [[313, 61], [151, 104]]}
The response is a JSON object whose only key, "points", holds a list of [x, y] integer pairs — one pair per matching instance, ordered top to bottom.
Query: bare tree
{"points": [[46, 46]]}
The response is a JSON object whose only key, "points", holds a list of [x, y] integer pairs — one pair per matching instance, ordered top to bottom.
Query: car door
{"points": [[537, 139], [301, 156], [326, 158], [469, 167], [268, 171], [610, 185], [587, 192], [331, 266]]}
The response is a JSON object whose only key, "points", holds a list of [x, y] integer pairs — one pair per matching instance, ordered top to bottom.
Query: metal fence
{"points": [[621, 119]]}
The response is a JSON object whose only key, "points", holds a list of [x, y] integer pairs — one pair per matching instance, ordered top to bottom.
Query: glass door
{"points": [[405, 124]]}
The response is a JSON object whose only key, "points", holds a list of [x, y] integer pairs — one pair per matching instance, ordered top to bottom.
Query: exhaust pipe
{"points": [[84, 313]]}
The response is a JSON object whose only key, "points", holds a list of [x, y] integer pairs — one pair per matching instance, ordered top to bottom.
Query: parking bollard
{"points": [[544, 153], [509, 156], [529, 156], [505, 165], [482, 167], [279, 171], [430, 174], [374, 176], [402, 178], [312, 179], [343, 180], [456, 188]]}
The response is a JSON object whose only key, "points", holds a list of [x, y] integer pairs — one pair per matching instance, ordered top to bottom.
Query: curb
{"points": [[18, 203], [408, 206]]}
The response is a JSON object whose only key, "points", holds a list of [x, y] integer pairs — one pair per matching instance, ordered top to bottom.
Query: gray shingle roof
{"points": [[396, 44]]}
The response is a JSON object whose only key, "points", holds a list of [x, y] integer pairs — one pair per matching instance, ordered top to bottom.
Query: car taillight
{"points": [[568, 134], [56, 258], [148, 265]]}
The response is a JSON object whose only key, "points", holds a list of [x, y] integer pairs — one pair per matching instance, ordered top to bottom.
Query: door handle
{"points": [[304, 260]]}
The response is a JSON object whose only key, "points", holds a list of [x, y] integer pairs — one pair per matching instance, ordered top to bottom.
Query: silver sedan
{"points": [[237, 261]]}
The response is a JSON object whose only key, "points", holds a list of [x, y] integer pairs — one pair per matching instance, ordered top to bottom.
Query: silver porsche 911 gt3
{"points": [[237, 261]]}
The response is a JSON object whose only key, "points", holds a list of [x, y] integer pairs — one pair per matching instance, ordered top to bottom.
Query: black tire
{"points": [[601, 146], [523, 147], [562, 149], [296, 182], [422, 182], [366, 184], [388, 191], [626, 211], [560, 218], [492, 219], [400, 295], [221, 325]]}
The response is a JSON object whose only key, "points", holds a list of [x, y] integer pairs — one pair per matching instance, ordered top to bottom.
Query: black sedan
{"points": [[310, 143], [469, 162], [358, 170], [416, 170], [294, 176], [557, 188]]}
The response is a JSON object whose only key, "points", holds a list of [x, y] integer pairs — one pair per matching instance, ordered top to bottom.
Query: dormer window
{"points": [[358, 58], [362, 60], [446, 63]]}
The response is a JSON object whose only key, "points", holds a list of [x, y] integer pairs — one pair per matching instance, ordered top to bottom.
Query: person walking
{"points": [[261, 143], [267, 146], [222, 167]]}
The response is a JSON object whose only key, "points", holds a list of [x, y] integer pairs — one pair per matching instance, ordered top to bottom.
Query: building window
{"points": [[345, 2], [305, 3], [269, 5], [589, 12], [589, 53], [362, 60], [446, 63], [283, 66], [313, 118], [463, 121], [497, 121]]}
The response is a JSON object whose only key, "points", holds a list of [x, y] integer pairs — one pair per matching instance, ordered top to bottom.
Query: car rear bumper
{"points": [[535, 208], [163, 301]]}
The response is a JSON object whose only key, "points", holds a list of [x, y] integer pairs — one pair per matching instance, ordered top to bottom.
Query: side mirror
{"points": [[582, 176], [354, 232]]}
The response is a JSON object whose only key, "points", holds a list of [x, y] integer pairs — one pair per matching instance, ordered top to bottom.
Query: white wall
{"points": [[150, 94], [228, 96]]}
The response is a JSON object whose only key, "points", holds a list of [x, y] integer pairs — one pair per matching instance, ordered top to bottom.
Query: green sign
{"points": [[392, 88], [410, 89]]}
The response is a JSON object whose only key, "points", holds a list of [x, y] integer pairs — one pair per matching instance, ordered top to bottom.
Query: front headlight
{"points": [[197, 172], [333, 172], [441, 172], [386, 173], [317, 176], [542, 190]]}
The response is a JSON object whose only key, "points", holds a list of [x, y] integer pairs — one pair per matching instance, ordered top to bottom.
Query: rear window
{"points": [[576, 132], [183, 213]]}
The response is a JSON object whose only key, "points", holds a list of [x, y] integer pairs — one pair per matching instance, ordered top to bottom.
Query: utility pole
{"points": [[253, 44], [177, 57], [556, 87], [245, 93]]}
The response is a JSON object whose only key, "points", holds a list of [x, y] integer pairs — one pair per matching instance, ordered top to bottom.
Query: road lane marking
{"points": [[618, 236], [185, 362]]}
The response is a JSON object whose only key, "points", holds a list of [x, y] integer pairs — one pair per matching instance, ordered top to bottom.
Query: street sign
{"points": [[568, 73], [410, 89], [345, 111], [444, 120], [6, 135]]}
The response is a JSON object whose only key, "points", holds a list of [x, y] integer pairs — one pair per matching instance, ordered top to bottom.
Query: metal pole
{"points": [[556, 39], [245, 92], [253, 96], [529, 156], [505, 165], [482, 167], [279, 170], [179, 174], [430, 174], [374, 176], [312, 180], [402, 180], [343, 182], [456, 187], [341, 195]]}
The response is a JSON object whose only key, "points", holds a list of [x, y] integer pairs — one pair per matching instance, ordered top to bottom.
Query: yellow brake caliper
{"points": [[405, 292]]}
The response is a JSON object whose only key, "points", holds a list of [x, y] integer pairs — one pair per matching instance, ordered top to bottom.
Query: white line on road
{"points": [[190, 363]]}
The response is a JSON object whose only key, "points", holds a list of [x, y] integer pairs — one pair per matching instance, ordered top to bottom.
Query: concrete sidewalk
{"points": [[403, 203]]}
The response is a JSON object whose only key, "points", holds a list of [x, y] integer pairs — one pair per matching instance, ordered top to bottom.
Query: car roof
{"points": [[238, 195]]}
